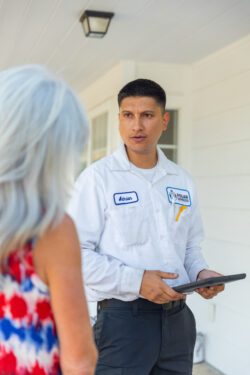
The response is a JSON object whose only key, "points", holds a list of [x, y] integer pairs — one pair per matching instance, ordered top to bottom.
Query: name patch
{"points": [[178, 196], [125, 198]]}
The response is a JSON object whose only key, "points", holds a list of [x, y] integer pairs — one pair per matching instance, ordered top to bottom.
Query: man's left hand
{"points": [[210, 291]]}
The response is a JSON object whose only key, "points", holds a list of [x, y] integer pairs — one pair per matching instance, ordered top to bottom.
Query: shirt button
{"points": [[157, 210]]}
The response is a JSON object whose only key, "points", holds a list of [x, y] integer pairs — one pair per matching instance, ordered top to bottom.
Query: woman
{"points": [[44, 321]]}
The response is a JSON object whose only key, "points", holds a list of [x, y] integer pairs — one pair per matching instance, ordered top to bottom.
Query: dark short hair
{"points": [[143, 87]]}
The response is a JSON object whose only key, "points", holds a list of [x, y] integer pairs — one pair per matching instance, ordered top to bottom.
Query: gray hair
{"points": [[43, 130]]}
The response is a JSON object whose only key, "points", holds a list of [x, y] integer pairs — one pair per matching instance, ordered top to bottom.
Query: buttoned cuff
{"points": [[131, 281]]}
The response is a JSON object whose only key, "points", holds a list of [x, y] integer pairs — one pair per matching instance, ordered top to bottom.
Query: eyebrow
{"points": [[130, 111]]}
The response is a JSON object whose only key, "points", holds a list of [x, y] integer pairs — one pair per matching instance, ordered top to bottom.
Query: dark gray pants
{"points": [[142, 338]]}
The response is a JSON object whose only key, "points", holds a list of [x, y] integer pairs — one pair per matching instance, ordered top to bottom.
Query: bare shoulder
{"points": [[64, 228], [62, 234], [58, 246]]}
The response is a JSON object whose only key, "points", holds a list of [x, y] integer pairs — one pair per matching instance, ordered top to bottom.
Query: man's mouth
{"points": [[138, 138]]}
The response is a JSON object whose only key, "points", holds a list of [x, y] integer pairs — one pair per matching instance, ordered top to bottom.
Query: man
{"points": [[140, 230]]}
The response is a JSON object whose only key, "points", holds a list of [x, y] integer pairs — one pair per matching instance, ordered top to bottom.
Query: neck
{"points": [[143, 160]]}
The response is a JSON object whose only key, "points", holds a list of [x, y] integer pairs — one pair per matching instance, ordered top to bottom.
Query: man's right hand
{"points": [[154, 289]]}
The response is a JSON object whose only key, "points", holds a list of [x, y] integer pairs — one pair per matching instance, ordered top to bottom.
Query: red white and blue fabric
{"points": [[28, 338]]}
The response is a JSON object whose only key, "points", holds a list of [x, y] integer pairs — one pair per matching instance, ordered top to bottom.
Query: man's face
{"points": [[141, 123]]}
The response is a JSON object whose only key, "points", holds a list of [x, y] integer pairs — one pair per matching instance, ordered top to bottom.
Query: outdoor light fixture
{"points": [[95, 24]]}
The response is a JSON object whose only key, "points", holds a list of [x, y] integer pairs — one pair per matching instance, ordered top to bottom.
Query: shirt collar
{"points": [[120, 162], [164, 164]]}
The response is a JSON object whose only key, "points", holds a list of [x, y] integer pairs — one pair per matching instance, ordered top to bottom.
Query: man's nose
{"points": [[137, 123]]}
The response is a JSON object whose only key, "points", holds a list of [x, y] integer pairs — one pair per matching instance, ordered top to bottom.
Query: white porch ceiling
{"points": [[172, 31]]}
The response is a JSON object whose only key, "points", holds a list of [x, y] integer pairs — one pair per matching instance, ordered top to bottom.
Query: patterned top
{"points": [[28, 338]]}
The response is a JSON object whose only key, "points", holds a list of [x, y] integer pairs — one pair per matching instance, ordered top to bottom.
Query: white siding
{"points": [[101, 97], [220, 164]]}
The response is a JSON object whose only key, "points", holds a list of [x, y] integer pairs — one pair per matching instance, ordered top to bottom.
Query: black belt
{"points": [[141, 304], [172, 304]]}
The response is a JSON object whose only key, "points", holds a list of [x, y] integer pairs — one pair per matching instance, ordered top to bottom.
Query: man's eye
{"points": [[128, 115], [148, 115]]}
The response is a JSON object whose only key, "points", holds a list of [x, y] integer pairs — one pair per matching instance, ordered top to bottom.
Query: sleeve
{"points": [[194, 260], [102, 273]]}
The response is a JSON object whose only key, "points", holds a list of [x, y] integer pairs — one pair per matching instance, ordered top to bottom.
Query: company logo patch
{"points": [[178, 196], [125, 198]]}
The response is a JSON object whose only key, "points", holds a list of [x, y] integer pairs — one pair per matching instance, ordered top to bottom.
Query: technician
{"points": [[140, 229]]}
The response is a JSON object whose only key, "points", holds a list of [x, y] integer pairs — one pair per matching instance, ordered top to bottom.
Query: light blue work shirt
{"points": [[127, 224]]}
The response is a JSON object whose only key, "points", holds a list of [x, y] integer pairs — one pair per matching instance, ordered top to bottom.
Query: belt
{"points": [[141, 304], [172, 304]]}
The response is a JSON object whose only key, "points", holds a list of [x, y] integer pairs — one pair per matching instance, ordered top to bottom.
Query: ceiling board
{"points": [[168, 31]]}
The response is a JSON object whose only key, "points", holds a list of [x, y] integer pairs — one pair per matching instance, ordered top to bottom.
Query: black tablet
{"points": [[189, 288]]}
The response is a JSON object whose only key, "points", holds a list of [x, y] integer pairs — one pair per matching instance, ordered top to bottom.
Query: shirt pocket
{"points": [[130, 225]]}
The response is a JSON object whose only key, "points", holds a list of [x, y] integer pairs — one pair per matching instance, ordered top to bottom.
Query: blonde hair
{"points": [[43, 129]]}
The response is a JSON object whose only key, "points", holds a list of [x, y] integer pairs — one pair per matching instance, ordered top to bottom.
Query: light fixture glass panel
{"points": [[98, 24], [85, 25], [96, 35]]}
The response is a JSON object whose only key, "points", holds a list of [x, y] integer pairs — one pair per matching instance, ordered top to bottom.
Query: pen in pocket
{"points": [[182, 208]]}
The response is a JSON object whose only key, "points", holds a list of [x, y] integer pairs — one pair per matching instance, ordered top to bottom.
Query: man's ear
{"points": [[166, 118]]}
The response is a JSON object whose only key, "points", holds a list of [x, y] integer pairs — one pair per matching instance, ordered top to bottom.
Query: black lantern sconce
{"points": [[95, 24]]}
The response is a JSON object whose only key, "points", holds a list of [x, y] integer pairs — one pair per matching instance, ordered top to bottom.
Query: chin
{"points": [[138, 149]]}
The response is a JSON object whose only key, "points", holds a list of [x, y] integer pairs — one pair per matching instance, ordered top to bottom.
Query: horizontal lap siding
{"points": [[219, 129], [230, 159], [220, 164], [224, 192], [227, 225], [219, 252]]}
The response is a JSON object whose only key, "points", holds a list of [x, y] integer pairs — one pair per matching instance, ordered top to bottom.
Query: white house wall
{"points": [[101, 97], [220, 164]]}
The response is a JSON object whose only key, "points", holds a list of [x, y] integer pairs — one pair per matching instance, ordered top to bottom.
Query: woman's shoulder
{"points": [[63, 229], [60, 242]]}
